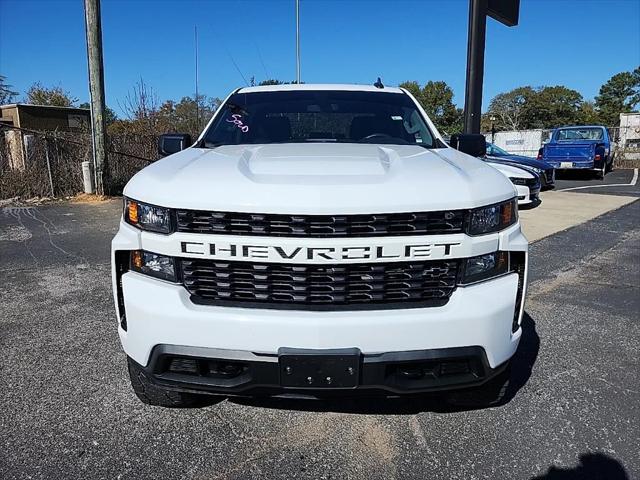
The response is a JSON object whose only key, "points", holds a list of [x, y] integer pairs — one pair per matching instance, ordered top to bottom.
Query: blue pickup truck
{"points": [[587, 147]]}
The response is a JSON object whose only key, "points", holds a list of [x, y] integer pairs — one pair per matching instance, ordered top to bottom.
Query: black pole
{"points": [[475, 65]]}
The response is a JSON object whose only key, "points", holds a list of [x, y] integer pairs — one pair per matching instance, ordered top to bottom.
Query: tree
{"points": [[271, 81], [413, 88], [621, 93], [6, 94], [40, 95], [437, 100], [541, 107], [554, 107], [511, 108], [588, 114], [110, 115], [187, 115]]}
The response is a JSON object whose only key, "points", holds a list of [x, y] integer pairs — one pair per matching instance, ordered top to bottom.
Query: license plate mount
{"points": [[319, 369]]}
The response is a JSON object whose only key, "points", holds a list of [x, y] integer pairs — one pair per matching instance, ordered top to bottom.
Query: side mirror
{"points": [[171, 143], [472, 144]]}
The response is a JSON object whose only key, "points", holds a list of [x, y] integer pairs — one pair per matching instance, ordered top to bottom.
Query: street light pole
{"points": [[475, 65], [96, 90], [493, 129]]}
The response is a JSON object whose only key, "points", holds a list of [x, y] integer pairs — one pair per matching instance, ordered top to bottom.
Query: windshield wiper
{"points": [[205, 144]]}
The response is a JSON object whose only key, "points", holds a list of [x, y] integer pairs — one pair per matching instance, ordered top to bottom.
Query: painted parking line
{"points": [[634, 180]]}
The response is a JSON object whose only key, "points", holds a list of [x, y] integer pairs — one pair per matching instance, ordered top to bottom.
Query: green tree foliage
{"points": [[271, 81], [6, 93], [620, 94], [40, 95], [437, 100], [541, 107], [554, 107], [588, 113], [110, 115], [187, 115]]}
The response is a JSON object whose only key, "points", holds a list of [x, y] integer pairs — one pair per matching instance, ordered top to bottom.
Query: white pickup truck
{"points": [[319, 240]]}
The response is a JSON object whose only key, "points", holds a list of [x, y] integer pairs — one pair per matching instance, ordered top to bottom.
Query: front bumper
{"points": [[527, 196], [156, 313], [232, 372]]}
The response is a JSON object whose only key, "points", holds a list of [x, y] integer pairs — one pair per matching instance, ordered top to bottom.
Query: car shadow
{"points": [[575, 175], [530, 206], [522, 367], [592, 466]]}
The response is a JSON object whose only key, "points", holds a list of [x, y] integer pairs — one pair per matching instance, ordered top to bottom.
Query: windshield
{"points": [[319, 116], [579, 134], [494, 150]]}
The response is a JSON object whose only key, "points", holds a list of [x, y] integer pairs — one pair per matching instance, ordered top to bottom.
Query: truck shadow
{"points": [[522, 367], [592, 466]]}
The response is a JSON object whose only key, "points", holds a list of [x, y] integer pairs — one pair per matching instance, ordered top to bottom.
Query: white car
{"points": [[526, 183], [318, 239]]}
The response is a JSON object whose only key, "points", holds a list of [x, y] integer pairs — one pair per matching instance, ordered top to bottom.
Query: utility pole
{"points": [[195, 31], [298, 41], [475, 65], [96, 90]]}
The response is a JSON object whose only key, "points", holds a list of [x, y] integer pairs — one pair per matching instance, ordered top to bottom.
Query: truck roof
{"points": [[319, 86], [580, 126]]}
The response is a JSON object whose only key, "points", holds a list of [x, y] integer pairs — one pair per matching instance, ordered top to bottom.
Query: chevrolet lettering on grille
{"points": [[296, 254]]}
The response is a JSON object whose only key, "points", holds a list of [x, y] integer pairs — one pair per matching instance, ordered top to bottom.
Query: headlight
{"points": [[518, 180], [147, 217], [492, 218], [154, 265], [486, 266]]}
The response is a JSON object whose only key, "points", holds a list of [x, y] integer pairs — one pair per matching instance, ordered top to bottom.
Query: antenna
{"points": [[195, 32], [298, 41], [221, 42]]}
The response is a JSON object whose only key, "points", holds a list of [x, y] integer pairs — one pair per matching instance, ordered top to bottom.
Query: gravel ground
{"points": [[67, 410]]}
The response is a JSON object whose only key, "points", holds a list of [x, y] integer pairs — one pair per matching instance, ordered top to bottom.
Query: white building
{"points": [[521, 142]]}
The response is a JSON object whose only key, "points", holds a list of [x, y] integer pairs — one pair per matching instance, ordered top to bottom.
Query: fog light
{"points": [[153, 264], [485, 266]]}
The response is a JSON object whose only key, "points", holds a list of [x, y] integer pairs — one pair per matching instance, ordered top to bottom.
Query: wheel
{"points": [[610, 165], [602, 172], [152, 394], [486, 395]]}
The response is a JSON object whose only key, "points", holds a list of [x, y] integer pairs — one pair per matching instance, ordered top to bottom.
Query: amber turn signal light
{"points": [[132, 210], [136, 259]]}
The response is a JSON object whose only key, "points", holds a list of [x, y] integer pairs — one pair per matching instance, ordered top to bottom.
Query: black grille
{"points": [[361, 225], [331, 287]]}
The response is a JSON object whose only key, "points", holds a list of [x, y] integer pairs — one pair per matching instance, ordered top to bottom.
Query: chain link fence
{"points": [[49, 164]]}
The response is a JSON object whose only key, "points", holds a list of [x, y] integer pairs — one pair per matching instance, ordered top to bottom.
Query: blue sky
{"points": [[577, 43]]}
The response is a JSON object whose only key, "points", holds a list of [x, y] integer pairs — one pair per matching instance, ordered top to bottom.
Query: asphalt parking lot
{"points": [[618, 182], [67, 410]]}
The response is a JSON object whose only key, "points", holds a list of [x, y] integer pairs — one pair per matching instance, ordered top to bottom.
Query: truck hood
{"points": [[319, 178]]}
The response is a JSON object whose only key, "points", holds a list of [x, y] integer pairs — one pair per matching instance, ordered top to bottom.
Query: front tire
{"points": [[489, 394], [154, 395]]}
